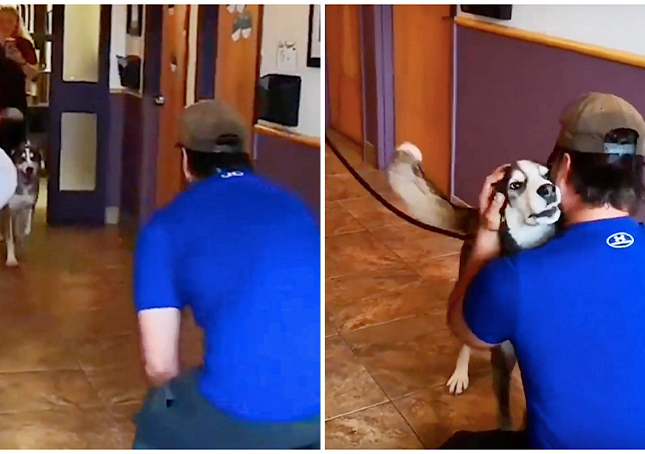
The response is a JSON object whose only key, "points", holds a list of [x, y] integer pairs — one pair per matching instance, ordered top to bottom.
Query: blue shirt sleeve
{"points": [[154, 275], [491, 302]]}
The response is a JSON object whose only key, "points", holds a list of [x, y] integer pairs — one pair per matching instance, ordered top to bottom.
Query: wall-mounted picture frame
{"points": [[135, 20], [313, 49]]}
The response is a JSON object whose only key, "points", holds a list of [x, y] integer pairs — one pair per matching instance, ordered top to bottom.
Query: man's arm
{"points": [[484, 250], [158, 304], [159, 330]]}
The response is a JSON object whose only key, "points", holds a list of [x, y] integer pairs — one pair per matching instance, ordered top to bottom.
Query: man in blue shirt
{"points": [[244, 254], [574, 308]]}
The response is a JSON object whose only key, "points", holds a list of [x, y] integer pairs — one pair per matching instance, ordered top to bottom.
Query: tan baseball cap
{"points": [[203, 125], [587, 125]]}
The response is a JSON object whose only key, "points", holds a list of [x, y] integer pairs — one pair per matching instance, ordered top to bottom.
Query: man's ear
{"points": [[184, 165], [565, 167]]}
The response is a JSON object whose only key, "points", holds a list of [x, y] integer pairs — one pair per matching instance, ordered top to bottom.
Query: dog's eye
{"points": [[515, 185]]}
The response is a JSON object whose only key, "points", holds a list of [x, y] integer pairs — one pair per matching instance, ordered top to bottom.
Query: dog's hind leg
{"points": [[11, 245], [503, 361], [458, 382]]}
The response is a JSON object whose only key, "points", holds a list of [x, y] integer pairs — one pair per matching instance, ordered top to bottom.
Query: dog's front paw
{"points": [[12, 262], [459, 382]]}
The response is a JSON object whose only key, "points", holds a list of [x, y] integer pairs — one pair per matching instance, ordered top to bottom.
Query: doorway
{"points": [[423, 85]]}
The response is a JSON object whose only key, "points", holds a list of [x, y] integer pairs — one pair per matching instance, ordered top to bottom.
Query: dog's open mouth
{"points": [[545, 214]]}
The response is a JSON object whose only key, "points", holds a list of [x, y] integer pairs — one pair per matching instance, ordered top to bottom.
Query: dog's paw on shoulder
{"points": [[409, 151]]}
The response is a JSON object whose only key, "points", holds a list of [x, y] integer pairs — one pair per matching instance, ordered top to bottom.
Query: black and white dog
{"points": [[17, 215], [529, 217]]}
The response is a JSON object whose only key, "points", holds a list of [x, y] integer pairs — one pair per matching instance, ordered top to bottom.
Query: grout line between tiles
{"points": [[405, 317], [357, 358], [351, 412], [408, 423]]}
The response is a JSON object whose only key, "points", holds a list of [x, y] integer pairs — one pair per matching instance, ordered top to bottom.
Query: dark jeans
{"points": [[178, 417], [491, 439]]}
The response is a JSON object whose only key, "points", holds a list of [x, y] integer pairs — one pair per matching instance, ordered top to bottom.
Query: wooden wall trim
{"points": [[618, 56], [308, 141]]}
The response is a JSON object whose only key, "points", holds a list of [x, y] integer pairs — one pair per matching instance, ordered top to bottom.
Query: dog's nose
{"points": [[29, 171], [547, 192]]}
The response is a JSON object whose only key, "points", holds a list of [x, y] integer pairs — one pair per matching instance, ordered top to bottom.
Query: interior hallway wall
{"points": [[291, 23], [618, 27], [510, 94], [125, 123]]}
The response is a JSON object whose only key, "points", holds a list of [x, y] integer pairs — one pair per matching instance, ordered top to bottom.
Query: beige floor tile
{"points": [[348, 386], [380, 427]]}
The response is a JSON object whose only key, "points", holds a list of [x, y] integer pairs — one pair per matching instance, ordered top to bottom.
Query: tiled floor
{"points": [[388, 351], [70, 371]]}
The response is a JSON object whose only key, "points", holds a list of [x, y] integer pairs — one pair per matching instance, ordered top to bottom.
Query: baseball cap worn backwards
{"points": [[602, 123], [211, 126]]}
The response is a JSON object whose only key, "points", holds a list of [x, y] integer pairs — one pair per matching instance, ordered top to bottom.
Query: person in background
{"points": [[18, 63], [244, 254], [573, 308]]}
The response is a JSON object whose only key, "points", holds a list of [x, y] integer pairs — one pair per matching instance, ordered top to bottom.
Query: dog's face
{"points": [[27, 160], [530, 193]]}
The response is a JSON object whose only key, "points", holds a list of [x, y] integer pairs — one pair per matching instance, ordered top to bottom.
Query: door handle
{"points": [[160, 100]]}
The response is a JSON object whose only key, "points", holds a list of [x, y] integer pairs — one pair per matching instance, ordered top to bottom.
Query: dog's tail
{"points": [[423, 199]]}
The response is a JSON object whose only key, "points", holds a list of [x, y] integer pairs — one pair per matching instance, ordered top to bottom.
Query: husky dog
{"points": [[17, 215], [529, 217]]}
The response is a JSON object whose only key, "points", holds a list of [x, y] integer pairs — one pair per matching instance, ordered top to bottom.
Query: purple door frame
{"points": [[208, 17], [377, 58], [378, 79], [150, 111], [79, 207]]}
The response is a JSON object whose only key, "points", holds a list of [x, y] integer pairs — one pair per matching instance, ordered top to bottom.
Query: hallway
{"points": [[388, 350], [70, 371]]}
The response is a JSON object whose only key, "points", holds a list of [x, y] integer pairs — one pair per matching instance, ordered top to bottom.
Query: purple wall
{"points": [[510, 94], [131, 155], [292, 165], [114, 170]]}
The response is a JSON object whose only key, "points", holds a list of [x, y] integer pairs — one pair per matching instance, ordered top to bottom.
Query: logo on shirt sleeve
{"points": [[620, 240]]}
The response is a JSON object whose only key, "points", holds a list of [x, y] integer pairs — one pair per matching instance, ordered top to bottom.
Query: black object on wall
{"points": [[502, 12], [130, 71], [279, 96]]}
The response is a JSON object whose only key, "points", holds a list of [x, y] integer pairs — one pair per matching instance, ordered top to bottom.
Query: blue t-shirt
{"points": [[245, 256], [575, 311]]}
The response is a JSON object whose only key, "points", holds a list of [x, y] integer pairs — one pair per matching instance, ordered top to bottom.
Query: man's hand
{"points": [[487, 244]]}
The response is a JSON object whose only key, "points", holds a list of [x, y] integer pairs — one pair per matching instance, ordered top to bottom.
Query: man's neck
{"points": [[582, 214]]}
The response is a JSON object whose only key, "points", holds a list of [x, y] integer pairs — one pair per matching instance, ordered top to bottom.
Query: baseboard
{"points": [[369, 154], [457, 201], [112, 215]]}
